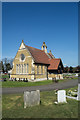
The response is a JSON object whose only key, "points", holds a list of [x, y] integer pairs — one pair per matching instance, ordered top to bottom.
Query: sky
{"points": [[55, 23]]}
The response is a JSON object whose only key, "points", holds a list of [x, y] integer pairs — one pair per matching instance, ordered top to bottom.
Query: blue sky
{"points": [[55, 23]]}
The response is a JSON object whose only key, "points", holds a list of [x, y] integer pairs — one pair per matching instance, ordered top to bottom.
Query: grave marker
{"points": [[79, 91], [61, 96], [31, 98]]}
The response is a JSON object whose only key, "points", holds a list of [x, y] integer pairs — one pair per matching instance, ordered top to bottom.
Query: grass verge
{"points": [[10, 84], [13, 107]]}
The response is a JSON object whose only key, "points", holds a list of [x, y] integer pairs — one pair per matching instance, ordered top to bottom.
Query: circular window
{"points": [[22, 57]]}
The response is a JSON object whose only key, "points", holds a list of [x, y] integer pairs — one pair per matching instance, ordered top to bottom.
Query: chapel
{"points": [[36, 64]]}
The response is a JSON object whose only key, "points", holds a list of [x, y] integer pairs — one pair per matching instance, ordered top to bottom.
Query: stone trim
{"points": [[39, 79]]}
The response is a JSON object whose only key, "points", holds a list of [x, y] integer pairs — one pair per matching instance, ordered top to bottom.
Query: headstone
{"points": [[76, 74], [61, 76], [32, 77], [57, 77], [79, 91], [61, 96], [31, 98]]}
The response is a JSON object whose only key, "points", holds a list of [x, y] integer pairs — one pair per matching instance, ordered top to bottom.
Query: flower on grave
{"points": [[75, 90], [56, 91], [70, 92], [74, 94]]}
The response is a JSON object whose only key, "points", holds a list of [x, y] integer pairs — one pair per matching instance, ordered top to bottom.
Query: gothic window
{"points": [[22, 57], [16, 68], [24, 68], [27, 68], [19, 69], [32, 69], [37, 69], [41, 69], [45, 70]]}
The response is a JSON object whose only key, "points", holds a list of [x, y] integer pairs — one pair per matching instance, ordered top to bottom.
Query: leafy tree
{"points": [[5, 63], [2, 66], [8, 67], [66, 69], [71, 69]]}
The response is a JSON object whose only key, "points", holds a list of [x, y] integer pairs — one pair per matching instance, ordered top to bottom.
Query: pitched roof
{"points": [[39, 55], [44, 58], [54, 63]]}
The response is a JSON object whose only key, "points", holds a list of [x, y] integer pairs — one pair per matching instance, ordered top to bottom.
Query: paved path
{"points": [[61, 85]]}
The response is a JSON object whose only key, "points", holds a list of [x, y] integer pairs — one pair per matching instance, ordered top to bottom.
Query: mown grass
{"points": [[9, 84], [24, 84], [13, 107]]}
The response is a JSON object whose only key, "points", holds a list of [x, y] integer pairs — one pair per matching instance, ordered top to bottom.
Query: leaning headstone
{"points": [[79, 91], [61, 96], [31, 98]]}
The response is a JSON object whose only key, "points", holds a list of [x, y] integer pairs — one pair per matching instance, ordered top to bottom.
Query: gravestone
{"points": [[76, 74], [61, 76], [57, 77], [79, 91], [61, 96], [31, 98]]}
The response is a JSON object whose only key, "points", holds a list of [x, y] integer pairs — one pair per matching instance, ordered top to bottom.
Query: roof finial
{"points": [[22, 41], [50, 51]]}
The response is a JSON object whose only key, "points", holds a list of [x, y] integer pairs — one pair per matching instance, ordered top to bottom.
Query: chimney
{"points": [[44, 47], [50, 52]]}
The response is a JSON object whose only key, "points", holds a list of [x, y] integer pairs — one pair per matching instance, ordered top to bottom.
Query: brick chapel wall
{"points": [[28, 60], [41, 74]]}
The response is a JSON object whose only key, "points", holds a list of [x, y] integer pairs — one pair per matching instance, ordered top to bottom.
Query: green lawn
{"points": [[10, 84], [24, 84], [13, 107]]}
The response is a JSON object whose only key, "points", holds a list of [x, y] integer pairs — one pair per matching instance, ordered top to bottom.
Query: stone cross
{"points": [[61, 96], [31, 98]]}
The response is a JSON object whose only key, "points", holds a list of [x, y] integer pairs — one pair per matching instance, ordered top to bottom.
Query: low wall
{"points": [[57, 76], [37, 77]]}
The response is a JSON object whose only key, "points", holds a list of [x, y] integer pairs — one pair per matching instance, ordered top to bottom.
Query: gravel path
{"points": [[61, 85]]}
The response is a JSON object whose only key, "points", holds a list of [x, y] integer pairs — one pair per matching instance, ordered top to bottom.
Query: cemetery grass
{"points": [[10, 84], [12, 107]]}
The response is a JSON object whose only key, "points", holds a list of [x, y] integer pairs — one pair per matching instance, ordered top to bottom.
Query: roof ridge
{"points": [[34, 48], [39, 55], [55, 59]]}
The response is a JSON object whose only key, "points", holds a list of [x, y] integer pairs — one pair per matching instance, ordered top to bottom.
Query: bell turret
{"points": [[44, 47]]}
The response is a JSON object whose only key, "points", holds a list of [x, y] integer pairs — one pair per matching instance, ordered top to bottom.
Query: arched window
{"points": [[22, 57], [16, 68], [24, 68], [27, 68], [19, 69], [37, 69], [41, 69], [45, 69]]}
